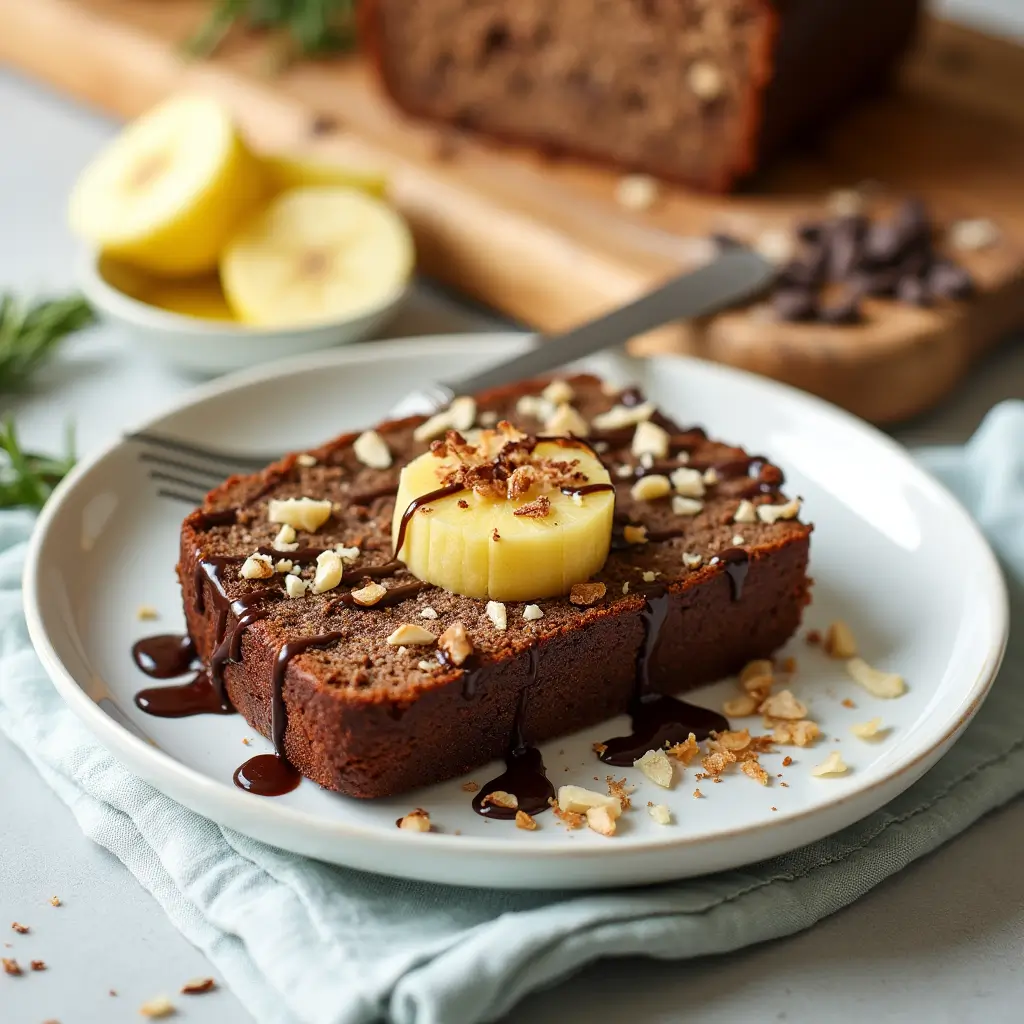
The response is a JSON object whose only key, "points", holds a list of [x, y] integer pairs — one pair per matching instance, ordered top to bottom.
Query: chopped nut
{"points": [[705, 80], [637, 192], [845, 202], [973, 234], [776, 245], [558, 392], [536, 407], [462, 412], [619, 416], [566, 420], [433, 427], [650, 439], [371, 450], [305, 460], [623, 471], [710, 476], [688, 482], [651, 488], [686, 506], [539, 508], [302, 513], [745, 513], [773, 513], [634, 534], [285, 539], [738, 539], [347, 555], [691, 561], [283, 565], [256, 567], [329, 570], [649, 576], [295, 587], [625, 587], [586, 593], [368, 595], [532, 612], [146, 613], [428, 613], [497, 614], [412, 636], [813, 637], [840, 641], [455, 643], [788, 664], [426, 666], [757, 669], [878, 684], [847, 703], [783, 705], [741, 707], [868, 730], [797, 734], [734, 740], [685, 751], [787, 761], [832, 765], [657, 767], [755, 771], [470, 787], [618, 789], [697, 794], [499, 798], [578, 800], [660, 813], [570, 819], [417, 820], [601, 820], [525, 821], [55, 901], [21, 929], [37, 965], [10, 966], [197, 986], [161, 1006]]}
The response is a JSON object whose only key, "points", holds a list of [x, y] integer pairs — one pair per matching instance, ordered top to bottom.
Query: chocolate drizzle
{"points": [[585, 489], [421, 502], [737, 564], [395, 595], [164, 656], [196, 697], [657, 720], [266, 775], [524, 776]]}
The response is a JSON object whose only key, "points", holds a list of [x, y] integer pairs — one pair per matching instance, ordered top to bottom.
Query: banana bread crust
{"points": [[367, 720]]}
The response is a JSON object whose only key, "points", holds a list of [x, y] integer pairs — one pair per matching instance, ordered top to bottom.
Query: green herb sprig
{"points": [[311, 27], [30, 334], [28, 478]]}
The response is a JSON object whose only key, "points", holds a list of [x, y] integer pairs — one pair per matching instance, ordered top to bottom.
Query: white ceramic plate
{"points": [[887, 549]]}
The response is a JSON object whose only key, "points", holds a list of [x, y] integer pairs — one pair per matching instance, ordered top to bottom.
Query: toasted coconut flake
{"points": [[783, 705], [741, 707], [871, 730], [797, 734], [685, 751], [499, 798]]}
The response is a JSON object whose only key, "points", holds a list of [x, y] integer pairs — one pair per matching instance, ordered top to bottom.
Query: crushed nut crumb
{"points": [[745, 513], [634, 534], [586, 593], [368, 595], [533, 612], [146, 613], [428, 613], [498, 615], [410, 635], [840, 641], [454, 643], [879, 684], [871, 730], [685, 751], [787, 761], [832, 765], [657, 767], [755, 771], [470, 787], [619, 790], [697, 794], [499, 798], [660, 813], [417, 820], [525, 821], [601, 821], [55, 901], [21, 929], [10, 965], [37, 965], [197, 986], [160, 1006]]}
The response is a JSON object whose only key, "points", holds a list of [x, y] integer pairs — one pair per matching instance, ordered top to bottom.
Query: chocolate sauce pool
{"points": [[164, 656], [196, 697]]}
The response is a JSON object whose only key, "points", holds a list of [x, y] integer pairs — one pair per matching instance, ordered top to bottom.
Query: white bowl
{"points": [[213, 346]]}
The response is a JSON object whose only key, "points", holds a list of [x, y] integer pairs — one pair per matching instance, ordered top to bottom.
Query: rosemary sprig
{"points": [[312, 27], [30, 334], [27, 478]]}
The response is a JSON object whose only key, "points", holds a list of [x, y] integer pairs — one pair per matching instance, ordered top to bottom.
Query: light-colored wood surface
{"points": [[545, 242]]}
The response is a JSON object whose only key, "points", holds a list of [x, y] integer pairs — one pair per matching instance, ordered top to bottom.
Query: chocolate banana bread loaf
{"points": [[697, 91], [700, 579]]}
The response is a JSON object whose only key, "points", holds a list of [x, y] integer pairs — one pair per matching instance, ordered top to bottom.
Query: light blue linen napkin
{"points": [[303, 943]]}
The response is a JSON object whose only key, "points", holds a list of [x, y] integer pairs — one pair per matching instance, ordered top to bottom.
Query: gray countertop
{"points": [[940, 942]]}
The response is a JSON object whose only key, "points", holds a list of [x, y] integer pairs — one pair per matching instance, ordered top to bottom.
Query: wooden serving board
{"points": [[546, 242]]}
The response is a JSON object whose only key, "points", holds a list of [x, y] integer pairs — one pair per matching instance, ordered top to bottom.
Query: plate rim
{"points": [[116, 738]]}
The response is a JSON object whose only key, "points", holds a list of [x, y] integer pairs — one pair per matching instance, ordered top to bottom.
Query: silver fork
{"points": [[185, 471]]}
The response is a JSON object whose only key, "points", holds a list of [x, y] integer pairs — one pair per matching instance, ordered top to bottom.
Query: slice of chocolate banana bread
{"points": [[698, 91], [326, 643]]}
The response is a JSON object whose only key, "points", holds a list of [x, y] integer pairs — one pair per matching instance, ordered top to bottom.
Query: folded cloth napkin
{"points": [[301, 942]]}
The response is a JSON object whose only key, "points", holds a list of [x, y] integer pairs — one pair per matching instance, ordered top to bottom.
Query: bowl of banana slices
{"points": [[217, 258]]}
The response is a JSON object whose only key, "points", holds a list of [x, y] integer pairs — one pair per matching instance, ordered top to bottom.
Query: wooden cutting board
{"points": [[547, 243]]}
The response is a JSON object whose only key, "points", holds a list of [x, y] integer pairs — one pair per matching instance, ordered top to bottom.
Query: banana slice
{"points": [[287, 172], [170, 190], [316, 254], [473, 542]]}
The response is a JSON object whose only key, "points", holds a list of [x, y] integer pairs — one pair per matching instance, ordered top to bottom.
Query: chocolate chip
{"points": [[845, 244], [947, 280], [913, 290], [795, 304], [846, 311]]}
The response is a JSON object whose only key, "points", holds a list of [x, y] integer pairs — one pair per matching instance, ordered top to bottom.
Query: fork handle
{"points": [[736, 274]]}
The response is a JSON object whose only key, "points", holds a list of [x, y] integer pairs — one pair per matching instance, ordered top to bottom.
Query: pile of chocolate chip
{"points": [[855, 256]]}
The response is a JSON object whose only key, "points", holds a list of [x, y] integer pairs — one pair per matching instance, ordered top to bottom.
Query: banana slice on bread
{"points": [[504, 516]]}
